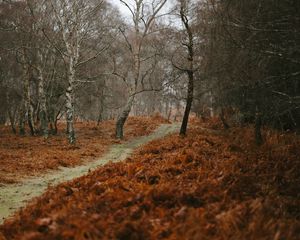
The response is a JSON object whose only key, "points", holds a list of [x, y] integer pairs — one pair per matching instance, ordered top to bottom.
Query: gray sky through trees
{"points": [[126, 13]]}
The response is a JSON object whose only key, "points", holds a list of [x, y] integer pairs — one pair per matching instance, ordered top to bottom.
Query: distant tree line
{"points": [[78, 59]]}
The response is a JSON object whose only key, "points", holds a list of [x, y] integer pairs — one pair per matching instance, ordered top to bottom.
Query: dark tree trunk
{"points": [[190, 70], [27, 95], [189, 102], [11, 113], [100, 116], [123, 117], [222, 117], [51, 118], [100, 119], [12, 121], [22, 121], [30, 122], [44, 123], [258, 125], [53, 127]]}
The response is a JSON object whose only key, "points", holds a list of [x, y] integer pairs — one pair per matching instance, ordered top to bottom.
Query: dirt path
{"points": [[15, 196]]}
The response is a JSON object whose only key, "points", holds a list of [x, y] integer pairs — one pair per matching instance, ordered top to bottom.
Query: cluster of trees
{"points": [[49, 51], [81, 59], [253, 61]]}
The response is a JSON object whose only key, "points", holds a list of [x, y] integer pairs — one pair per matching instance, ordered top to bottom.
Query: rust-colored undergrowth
{"points": [[26, 156], [209, 185]]}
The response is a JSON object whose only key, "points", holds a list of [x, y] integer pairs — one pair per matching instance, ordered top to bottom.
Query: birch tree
{"points": [[143, 15], [75, 22], [24, 24], [24, 30], [41, 51], [27, 108]]}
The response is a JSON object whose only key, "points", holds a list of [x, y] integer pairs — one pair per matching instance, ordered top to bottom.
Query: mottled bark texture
{"points": [[43, 106], [70, 111], [123, 117]]}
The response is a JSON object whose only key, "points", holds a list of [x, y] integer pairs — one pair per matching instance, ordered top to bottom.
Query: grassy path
{"points": [[15, 196]]}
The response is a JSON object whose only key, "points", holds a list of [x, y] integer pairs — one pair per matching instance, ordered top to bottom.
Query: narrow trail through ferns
{"points": [[14, 196]]}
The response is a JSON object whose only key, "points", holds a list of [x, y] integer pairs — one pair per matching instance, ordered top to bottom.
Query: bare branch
{"points": [[131, 11], [63, 55], [93, 57]]}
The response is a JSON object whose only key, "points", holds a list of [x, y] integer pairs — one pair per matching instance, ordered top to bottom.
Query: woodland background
{"points": [[82, 60]]}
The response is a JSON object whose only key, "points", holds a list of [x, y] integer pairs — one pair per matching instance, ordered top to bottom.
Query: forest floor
{"points": [[30, 156], [212, 184], [14, 196]]}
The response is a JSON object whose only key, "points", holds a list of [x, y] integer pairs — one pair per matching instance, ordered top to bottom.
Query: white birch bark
{"points": [[73, 19], [43, 104], [26, 109]]}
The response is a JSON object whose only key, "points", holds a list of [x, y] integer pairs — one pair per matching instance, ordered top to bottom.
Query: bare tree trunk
{"points": [[70, 19], [135, 46], [190, 71], [70, 93], [27, 95], [70, 98], [27, 101], [189, 102], [29, 107], [43, 107], [167, 109], [211, 109], [125, 113], [22, 114], [169, 114], [177, 114], [100, 116], [11, 117], [53, 117], [123, 117], [222, 117], [30, 120], [51, 120], [53, 125], [258, 125]]}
